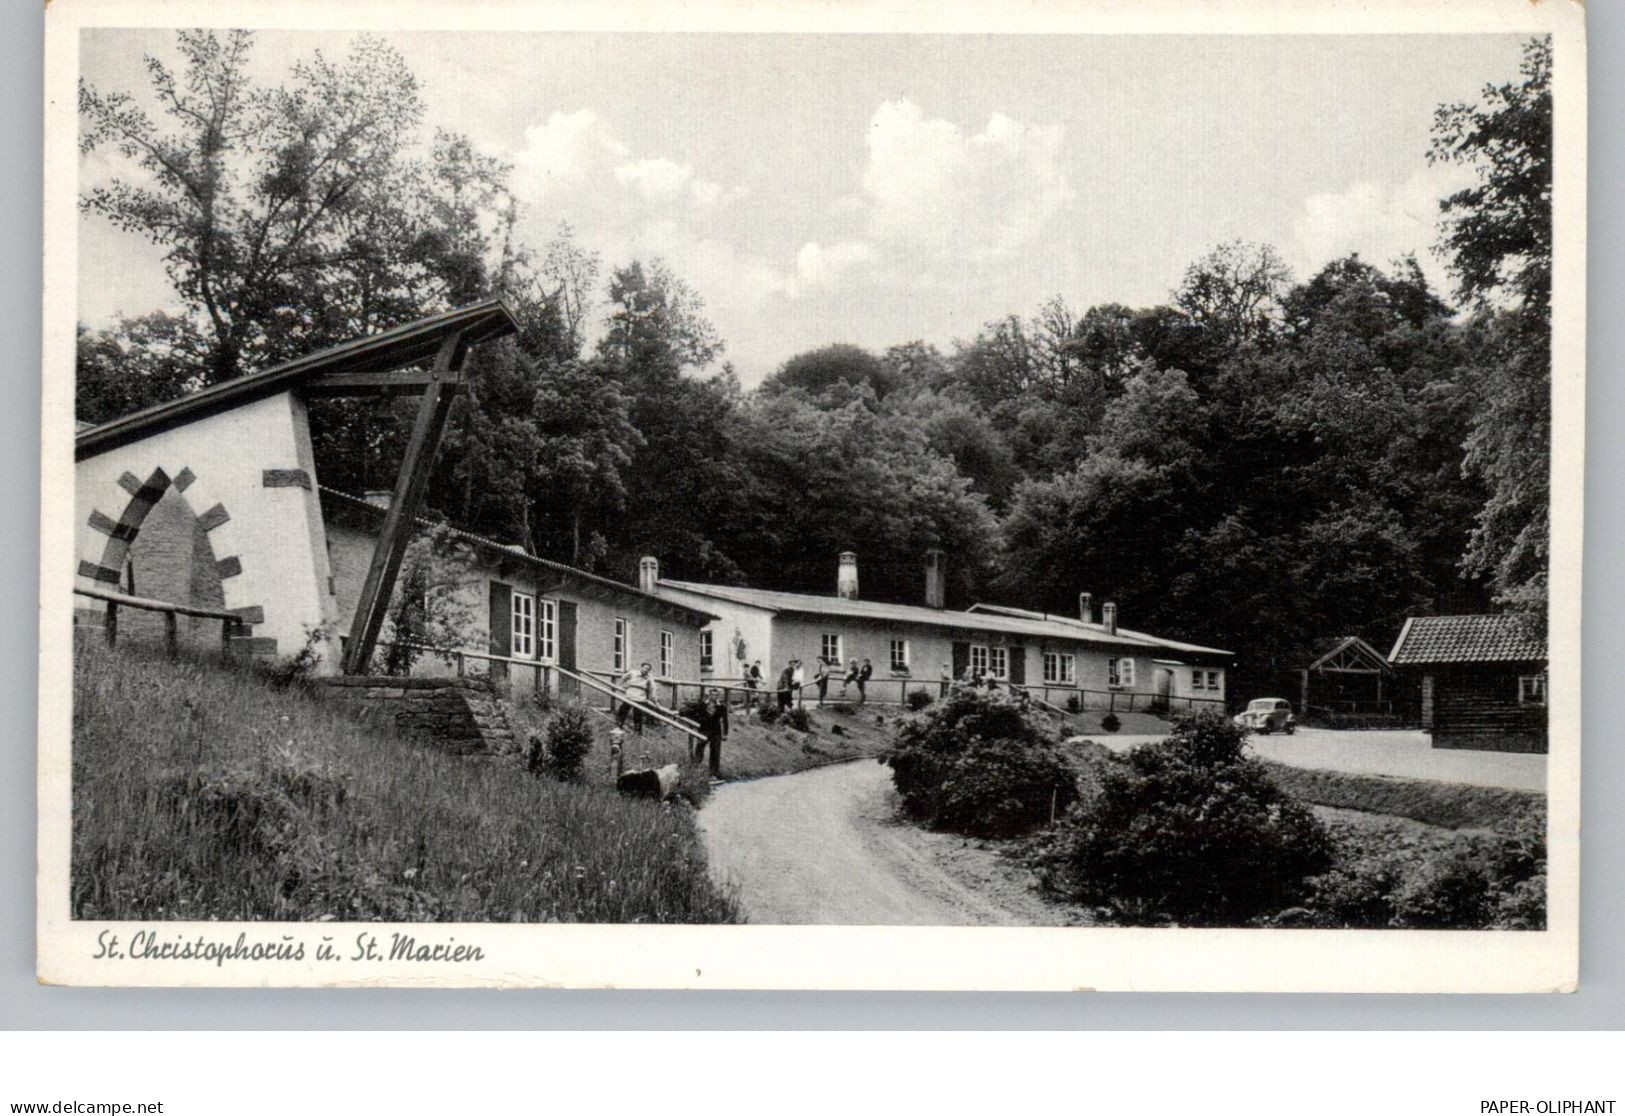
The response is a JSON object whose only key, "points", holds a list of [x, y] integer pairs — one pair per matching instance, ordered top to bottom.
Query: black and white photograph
{"points": [[538, 490]]}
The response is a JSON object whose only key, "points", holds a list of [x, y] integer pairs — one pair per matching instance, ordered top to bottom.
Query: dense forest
{"points": [[1261, 462]]}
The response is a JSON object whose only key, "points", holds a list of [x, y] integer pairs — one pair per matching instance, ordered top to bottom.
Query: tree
{"points": [[260, 197], [1499, 236], [1235, 291], [656, 323], [137, 363], [833, 366]]}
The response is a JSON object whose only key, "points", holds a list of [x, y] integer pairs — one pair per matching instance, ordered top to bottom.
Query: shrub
{"points": [[918, 700], [1074, 704], [768, 713], [798, 719], [1110, 722], [568, 740], [975, 763], [1187, 829]]}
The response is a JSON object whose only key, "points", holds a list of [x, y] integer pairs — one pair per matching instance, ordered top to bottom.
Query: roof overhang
{"points": [[382, 352]]}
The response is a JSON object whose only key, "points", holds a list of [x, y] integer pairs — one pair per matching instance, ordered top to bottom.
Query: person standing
{"points": [[864, 674], [851, 676], [785, 677], [821, 678], [947, 678], [798, 679], [753, 682], [638, 691], [713, 721]]}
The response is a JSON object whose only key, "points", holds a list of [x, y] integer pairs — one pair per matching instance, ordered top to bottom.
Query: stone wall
{"points": [[459, 715]]}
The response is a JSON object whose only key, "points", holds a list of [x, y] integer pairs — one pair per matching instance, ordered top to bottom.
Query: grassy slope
{"points": [[752, 749], [202, 792]]}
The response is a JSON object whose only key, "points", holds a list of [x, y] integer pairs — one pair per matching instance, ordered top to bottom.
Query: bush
{"points": [[918, 700], [1074, 704], [768, 713], [798, 719], [1110, 722], [568, 740], [975, 763], [1187, 829]]}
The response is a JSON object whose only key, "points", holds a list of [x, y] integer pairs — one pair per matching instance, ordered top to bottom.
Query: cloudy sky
{"points": [[877, 189]]}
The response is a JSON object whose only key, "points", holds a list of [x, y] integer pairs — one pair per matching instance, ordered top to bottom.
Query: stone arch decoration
{"points": [[120, 534]]}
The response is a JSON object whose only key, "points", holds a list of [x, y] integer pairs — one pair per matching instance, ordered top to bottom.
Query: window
{"points": [[544, 630], [668, 643], [523, 645], [622, 645], [829, 646], [899, 656], [978, 658], [706, 661], [999, 662], [1060, 670], [1120, 672], [1197, 677], [1213, 680], [1532, 689]]}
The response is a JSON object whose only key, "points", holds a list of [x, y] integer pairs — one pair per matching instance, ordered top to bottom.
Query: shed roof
{"points": [[386, 351], [508, 552], [813, 604], [1492, 638], [1343, 649]]}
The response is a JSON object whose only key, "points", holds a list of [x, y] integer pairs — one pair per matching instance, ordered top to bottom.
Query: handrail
{"points": [[230, 622], [649, 709]]}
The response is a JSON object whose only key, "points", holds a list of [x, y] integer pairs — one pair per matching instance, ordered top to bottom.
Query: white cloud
{"points": [[572, 149], [932, 186], [1381, 221], [817, 264]]}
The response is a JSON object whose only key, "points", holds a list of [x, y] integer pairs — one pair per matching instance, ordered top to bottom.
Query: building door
{"points": [[501, 627], [567, 647], [961, 659], [1018, 665], [1165, 688]]}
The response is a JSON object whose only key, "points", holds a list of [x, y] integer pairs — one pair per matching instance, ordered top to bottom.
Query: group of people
{"points": [[793, 679]]}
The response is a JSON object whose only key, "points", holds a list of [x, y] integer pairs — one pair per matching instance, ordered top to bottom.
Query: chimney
{"points": [[379, 497], [648, 573], [936, 576], [846, 577], [1086, 607], [1108, 617]]}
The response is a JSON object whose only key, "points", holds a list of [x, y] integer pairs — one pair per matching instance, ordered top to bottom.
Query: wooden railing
{"points": [[230, 622]]}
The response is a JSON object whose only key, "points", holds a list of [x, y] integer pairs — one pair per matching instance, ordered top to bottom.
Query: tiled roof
{"points": [[509, 551], [1034, 625], [1466, 639]]}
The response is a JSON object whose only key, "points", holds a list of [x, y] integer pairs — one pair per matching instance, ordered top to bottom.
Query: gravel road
{"points": [[824, 847]]}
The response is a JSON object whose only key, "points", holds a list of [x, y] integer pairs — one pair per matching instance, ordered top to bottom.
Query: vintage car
{"points": [[1267, 715]]}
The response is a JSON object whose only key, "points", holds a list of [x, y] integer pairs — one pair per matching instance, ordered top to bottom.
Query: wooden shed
{"points": [[1483, 680], [1349, 681]]}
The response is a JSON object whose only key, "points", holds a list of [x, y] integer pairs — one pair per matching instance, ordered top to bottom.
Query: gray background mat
{"points": [[1600, 1003]]}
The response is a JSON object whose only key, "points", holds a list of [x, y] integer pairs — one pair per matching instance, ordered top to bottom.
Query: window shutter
{"points": [[501, 618], [1127, 668]]}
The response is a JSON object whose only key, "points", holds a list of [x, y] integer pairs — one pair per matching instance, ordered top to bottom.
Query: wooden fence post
{"points": [[110, 623], [172, 642]]}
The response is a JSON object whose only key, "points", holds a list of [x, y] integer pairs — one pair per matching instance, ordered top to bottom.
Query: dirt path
{"points": [[823, 847]]}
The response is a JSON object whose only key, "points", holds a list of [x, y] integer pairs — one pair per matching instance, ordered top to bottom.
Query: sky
{"points": [[877, 189]]}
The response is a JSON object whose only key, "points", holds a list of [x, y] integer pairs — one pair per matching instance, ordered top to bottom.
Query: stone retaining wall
{"points": [[459, 715]]}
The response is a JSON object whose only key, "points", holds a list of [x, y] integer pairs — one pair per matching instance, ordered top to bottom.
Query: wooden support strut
{"points": [[403, 507]]}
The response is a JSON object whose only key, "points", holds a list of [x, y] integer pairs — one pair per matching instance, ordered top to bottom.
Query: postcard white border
{"points": [[758, 957]]}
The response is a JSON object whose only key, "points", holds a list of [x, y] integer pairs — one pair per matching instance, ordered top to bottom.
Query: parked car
{"points": [[1267, 715]]}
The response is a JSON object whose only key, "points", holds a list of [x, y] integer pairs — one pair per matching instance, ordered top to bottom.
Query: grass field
{"points": [[205, 793], [1448, 805]]}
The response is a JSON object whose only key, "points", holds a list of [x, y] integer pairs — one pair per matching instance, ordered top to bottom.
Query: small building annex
{"points": [[914, 646], [1483, 680]]}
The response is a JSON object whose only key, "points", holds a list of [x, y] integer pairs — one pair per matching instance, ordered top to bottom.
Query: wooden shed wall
{"points": [[1478, 707]]}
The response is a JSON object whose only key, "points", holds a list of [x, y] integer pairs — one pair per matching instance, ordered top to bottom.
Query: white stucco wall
{"points": [[255, 463], [735, 621]]}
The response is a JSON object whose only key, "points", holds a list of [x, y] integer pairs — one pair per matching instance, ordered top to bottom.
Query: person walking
{"points": [[864, 674], [821, 679], [638, 691], [713, 721]]}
